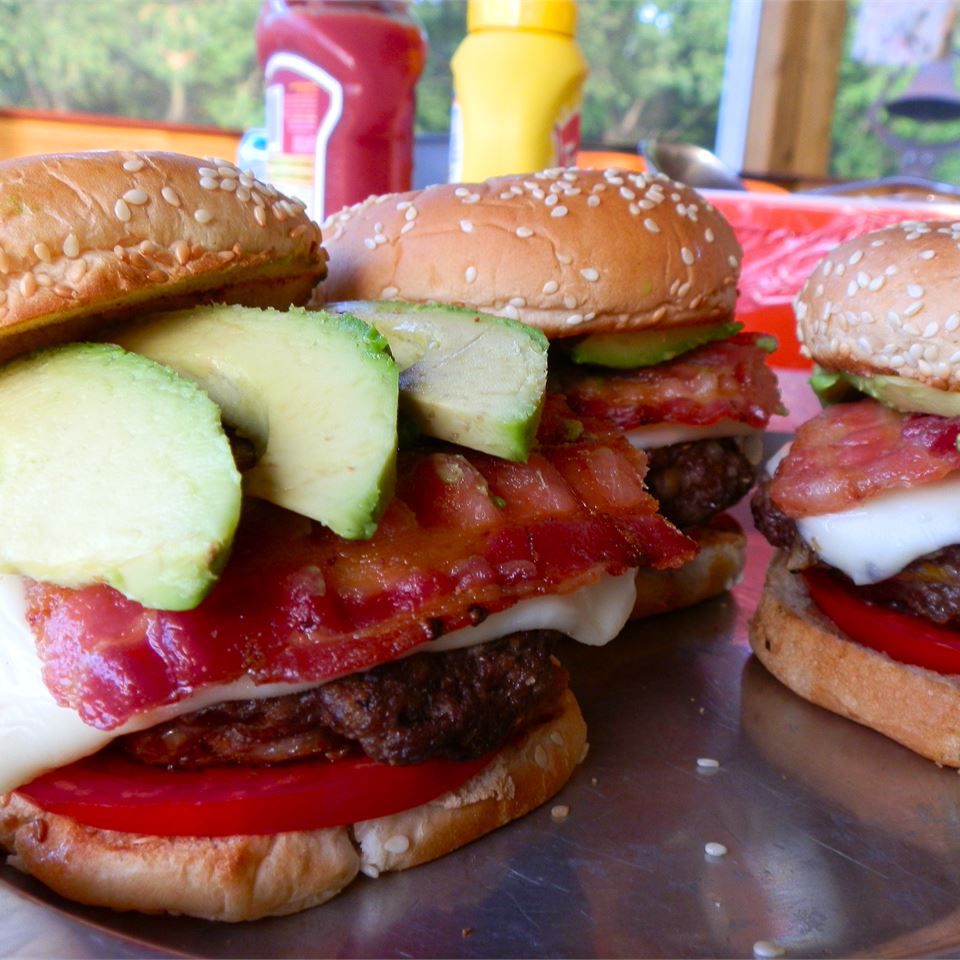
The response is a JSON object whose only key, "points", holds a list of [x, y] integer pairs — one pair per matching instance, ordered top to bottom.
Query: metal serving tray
{"points": [[840, 843]]}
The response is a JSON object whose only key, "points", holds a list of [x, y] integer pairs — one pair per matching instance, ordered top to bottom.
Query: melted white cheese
{"points": [[654, 435], [880, 536], [36, 734]]}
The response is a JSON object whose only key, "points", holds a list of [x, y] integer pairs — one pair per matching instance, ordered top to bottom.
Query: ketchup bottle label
{"points": [[304, 106], [566, 139]]}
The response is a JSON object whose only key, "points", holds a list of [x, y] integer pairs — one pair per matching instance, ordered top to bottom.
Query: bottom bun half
{"points": [[716, 568], [806, 652], [248, 877]]}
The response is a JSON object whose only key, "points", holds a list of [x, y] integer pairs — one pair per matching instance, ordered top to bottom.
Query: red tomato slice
{"points": [[903, 637], [113, 792]]}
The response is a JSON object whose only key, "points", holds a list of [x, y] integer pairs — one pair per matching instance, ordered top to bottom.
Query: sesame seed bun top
{"points": [[88, 238], [568, 251], [887, 303]]}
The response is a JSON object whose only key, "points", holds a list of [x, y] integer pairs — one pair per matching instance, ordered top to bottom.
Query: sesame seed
{"points": [[133, 165], [227, 170], [206, 171], [209, 183], [228, 185], [459, 192], [627, 193], [171, 196], [136, 197], [552, 200], [593, 201], [403, 204], [634, 210], [122, 211], [559, 211], [411, 213], [202, 215], [260, 215], [651, 225], [408, 226], [466, 226], [524, 232], [708, 235], [379, 239], [370, 243], [877, 243], [71, 246], [181, 250], [42, 252], [686, 255], [928, 255], [564, 258], [855, 258], [734, 262], [827, 268], [841, 269], [77, 270], [890, 271], [589, 273], [470, 274], [863, 279], [44, 281], [876, 283], [28, 285], [852, 288], [683, 289], [914, 290], [388, 293], [569, 301], [517, 302], [913, 309], [510, 312], [659, 314], [574, 319], [952, 322], [930, 330], [916, 350], [931, 352], [556, 738], [539, 754], [707, 763], [560, 812], [398, 843], [713, 849], [369, 870], [767, 950]]}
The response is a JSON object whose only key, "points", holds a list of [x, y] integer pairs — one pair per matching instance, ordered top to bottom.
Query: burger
{"points": [[633, 277], [860, 610], [250, 650]]}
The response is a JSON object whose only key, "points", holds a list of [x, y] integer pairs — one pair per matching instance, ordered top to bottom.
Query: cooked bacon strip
{"points": [[728, 379], [853, 451], [467, 535]]}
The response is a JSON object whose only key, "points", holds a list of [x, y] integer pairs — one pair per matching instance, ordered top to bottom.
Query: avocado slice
{"points": [[644, 348], [467, 377], [897, 392], [316, 394], [113, 470]]}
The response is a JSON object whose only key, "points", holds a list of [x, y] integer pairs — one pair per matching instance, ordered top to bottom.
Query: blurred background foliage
{"points": [[656, 67]]}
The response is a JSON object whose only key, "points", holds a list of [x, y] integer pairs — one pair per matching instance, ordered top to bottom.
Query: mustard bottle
{"points": [[517, 78]]}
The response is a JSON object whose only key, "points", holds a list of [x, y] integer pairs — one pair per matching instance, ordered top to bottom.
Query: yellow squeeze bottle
{"points": [[517, 78]]}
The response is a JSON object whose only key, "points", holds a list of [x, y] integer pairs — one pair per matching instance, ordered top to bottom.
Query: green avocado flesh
{"points": [[644, 348], [467, 377], [896, 392], [315, 393], [113, 470]]}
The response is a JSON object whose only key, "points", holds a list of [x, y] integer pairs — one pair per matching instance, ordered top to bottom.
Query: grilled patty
{"points": [[695, 481], [929, 587], [459, 705]]}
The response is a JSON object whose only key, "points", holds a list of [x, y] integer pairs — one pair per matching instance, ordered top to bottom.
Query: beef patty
{"points": [[695, 481], [929, 587], [459, 704]]}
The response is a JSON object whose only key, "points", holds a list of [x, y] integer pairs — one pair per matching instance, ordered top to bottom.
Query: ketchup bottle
{"points": [[340, 78]]}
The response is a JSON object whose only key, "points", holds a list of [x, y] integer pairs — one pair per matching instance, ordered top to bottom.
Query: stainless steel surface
{"points": [[690, 164], [840, 843]]}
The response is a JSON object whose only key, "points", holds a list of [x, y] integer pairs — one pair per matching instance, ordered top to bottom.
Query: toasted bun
{"points": [[89, 238], [568, 251], [886, 303], [714, 570], [807, 653], [247, 877]]}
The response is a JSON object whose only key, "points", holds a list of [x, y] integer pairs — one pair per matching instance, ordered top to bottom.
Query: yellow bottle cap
{"points": [[558, 16]]}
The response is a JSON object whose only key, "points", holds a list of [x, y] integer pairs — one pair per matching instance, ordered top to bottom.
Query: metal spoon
{"points": [[689, 164]]}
